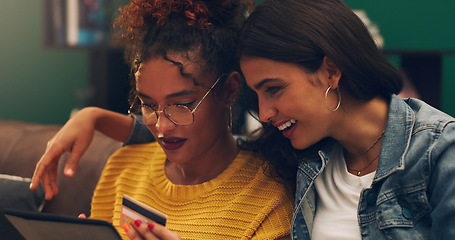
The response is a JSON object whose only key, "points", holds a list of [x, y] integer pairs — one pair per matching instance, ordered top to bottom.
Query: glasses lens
{"points": [[144, 114], [179, 114], [148, 115]]}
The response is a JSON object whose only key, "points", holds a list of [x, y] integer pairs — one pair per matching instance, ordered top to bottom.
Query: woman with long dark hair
{"points": [[368, 165]]}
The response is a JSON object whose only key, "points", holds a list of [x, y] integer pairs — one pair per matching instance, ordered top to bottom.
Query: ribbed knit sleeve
{"points": [[241, 203]]}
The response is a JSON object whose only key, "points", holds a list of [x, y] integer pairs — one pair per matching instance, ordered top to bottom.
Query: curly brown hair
{"points": [[133, 15], [179, 26], [205, 31]]}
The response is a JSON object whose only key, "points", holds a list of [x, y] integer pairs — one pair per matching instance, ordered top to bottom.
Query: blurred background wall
{"points": [[419, 35], [42, 82], [36, 84]]}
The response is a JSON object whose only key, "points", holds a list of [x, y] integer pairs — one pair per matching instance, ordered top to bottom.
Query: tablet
{"points": [[42, 226]]}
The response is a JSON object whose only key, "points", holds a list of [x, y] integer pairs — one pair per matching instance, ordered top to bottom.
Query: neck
{"points": [[360, 133], [207, 167]]}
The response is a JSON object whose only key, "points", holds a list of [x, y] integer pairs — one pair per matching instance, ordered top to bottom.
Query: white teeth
{"points": [[286, 124]]}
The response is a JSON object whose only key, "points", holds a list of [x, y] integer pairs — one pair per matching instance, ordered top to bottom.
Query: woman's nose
{"points": [[266, 111], [163, 124]]}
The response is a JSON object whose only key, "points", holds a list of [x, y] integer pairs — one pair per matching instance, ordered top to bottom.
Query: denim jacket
{"points": [[413, 192]]}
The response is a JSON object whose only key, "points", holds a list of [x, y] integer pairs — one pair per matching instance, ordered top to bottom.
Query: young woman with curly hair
{"points": [[184, 81]]}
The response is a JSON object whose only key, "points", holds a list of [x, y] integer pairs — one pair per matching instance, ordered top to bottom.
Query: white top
{"points": [[338, 198]]}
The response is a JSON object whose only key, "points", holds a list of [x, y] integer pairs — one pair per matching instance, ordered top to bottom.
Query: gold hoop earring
{"points": [[339, 99], [230, 119]]}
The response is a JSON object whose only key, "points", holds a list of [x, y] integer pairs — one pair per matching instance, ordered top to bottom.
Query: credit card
{"points": [[133, 210]]}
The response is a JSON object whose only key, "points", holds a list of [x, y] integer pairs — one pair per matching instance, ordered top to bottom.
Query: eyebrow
{"points": [[258, 85], [172, 95]]}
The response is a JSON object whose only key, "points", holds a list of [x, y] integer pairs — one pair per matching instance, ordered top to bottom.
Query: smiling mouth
{"points": [[287, 124]]}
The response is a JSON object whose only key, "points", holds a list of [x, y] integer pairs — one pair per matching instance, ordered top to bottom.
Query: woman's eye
{"points": [[273, 90], [188, 105], [152, 106]]}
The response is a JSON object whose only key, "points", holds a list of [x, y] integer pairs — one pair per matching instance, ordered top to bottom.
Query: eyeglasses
{"points": [[177, 114]]}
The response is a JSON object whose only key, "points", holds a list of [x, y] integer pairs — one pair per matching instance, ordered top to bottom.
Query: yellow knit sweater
{"points": [[241, 203]]}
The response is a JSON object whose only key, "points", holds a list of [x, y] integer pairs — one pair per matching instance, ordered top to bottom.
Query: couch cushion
{"points": [[21, 146], [15, 194]]}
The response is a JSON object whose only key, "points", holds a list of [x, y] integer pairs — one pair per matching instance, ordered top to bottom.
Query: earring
{"points": [[339, 99], [230, 118]]}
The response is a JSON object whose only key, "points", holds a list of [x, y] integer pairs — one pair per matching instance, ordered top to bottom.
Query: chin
{"points": [[299, 145]]}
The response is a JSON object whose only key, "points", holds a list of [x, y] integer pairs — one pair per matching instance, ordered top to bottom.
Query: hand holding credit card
{"points": [[133, 210]]}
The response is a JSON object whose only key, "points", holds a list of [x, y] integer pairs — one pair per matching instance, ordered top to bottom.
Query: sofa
{"points": [[21, 146]]}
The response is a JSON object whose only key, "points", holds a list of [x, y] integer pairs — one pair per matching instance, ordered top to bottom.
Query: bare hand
{"points": [[74, 137], [151, 231]]}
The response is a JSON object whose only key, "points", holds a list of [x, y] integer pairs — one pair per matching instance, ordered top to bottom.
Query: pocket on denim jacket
{"points": [[402, 208]]}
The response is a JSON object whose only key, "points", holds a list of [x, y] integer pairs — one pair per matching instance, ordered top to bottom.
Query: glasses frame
{"points": [[158, 112]]}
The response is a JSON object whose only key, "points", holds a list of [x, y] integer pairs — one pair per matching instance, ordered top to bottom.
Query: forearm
{"points": [[112, 124]]}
